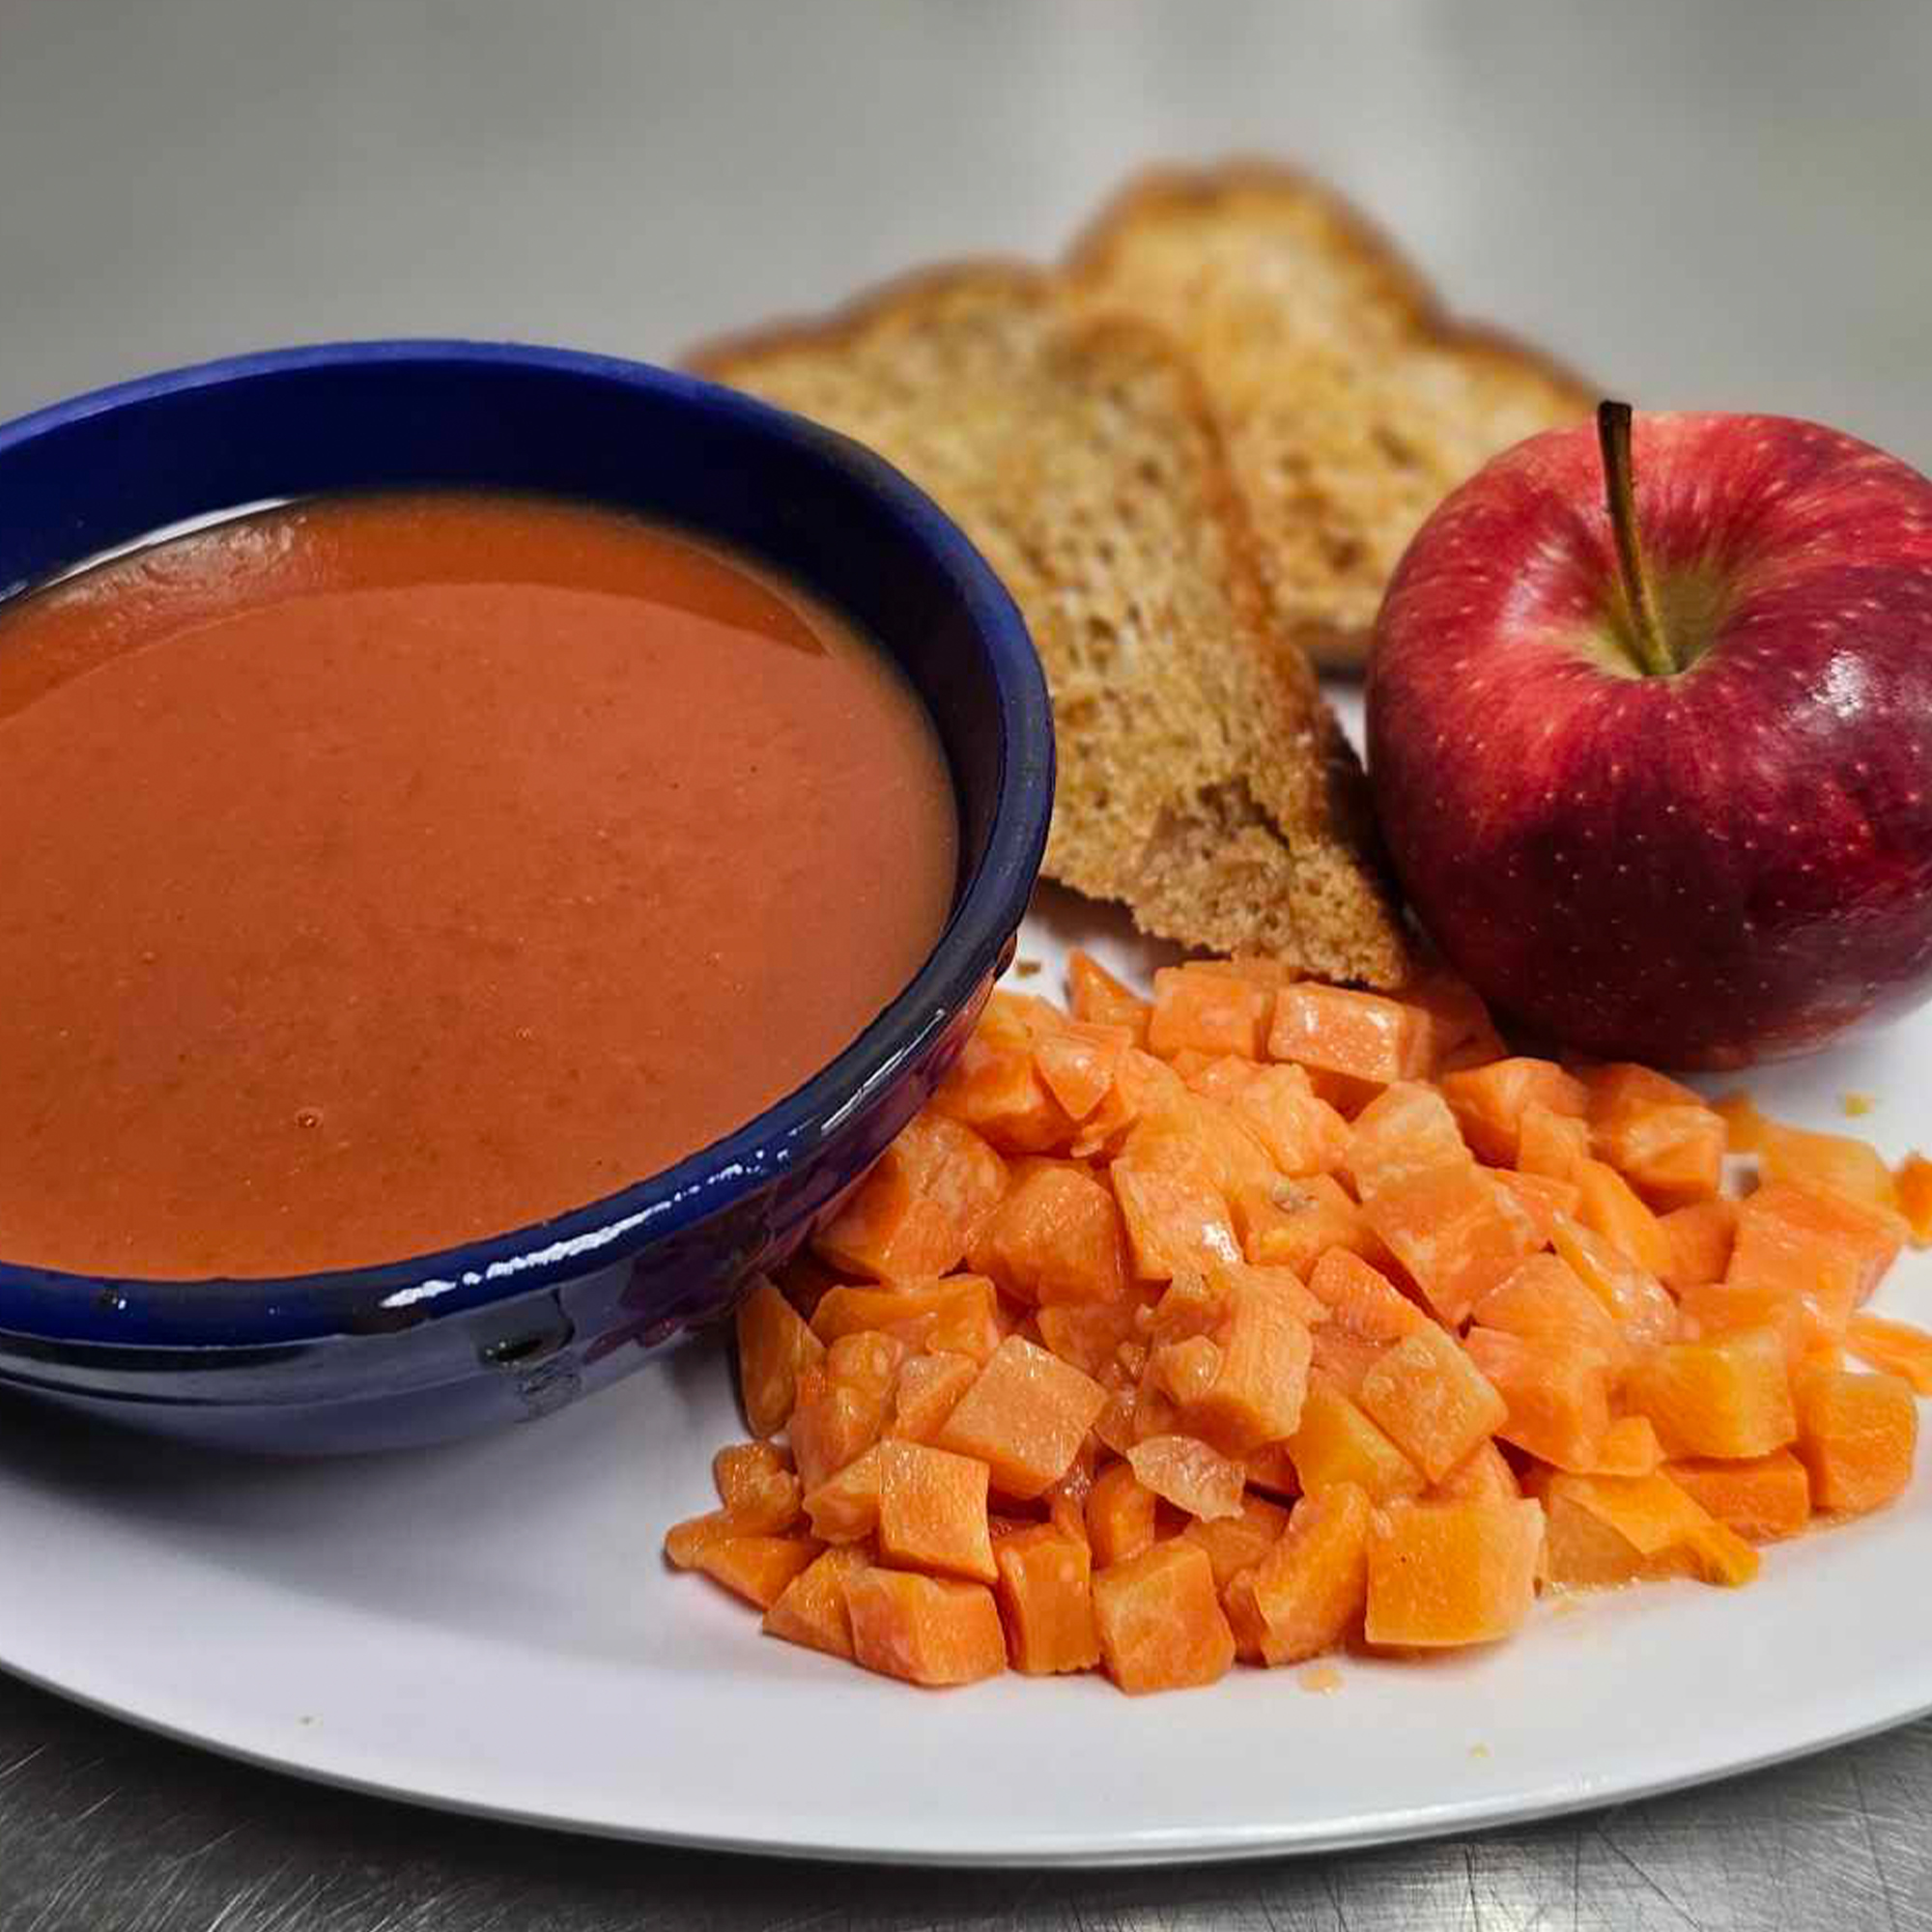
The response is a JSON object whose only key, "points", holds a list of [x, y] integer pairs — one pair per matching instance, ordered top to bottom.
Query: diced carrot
{"points": [[1095, 995], [1212, 1012], [1461, 1022], [1363, 1035], [1079, 1064], [1620, 1087], [995, 1089], [1489, 1102], [1743, 1124], [1299, 1130], [1405, 1132], [1190, 1134], [1660, 1136], [1551, 1144], [1832, 1163], [1913, 1181], [1540, 1198], [1611, 1207], [915, 1215], [1172, 1221], [1293, 1226], [1450, 1232], [1700, 1237], [1056, 1238], [1829, 1250], [1545, 1300], [1362, 1301], [1639, 1302], [1709, 1309], [960, 1312], [1087, 1336], [775, 1346], [1895, 1346], [1346, 1357], [1184, 1371], [1261, 1371], [929, 1390], [1557, 1395], [1728, 1396], [1432, 1400], [842, 1404], [1025, 1417], [1857, 1435], [1338, 1443], [1629, 1448], [1483, 1474], [1190, 1475], [756, 1488], [1763, 1498], [844, 1508], [932, 1511], [1120, 1515], [1657, 1519], [686, 1540], [1237, 1543], [1582, 1551], [757, 1568], [1446, 1573], [1306, 1592], [1046, 1599], [812, 1608], [1160, 1623], [926, 1629]]}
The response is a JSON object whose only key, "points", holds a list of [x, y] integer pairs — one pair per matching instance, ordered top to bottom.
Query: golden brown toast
{"points": [[1352, 403], [1203, 781]]}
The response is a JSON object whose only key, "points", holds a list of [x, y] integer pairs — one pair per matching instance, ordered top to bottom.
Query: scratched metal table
{"points": [[1721, 204]]}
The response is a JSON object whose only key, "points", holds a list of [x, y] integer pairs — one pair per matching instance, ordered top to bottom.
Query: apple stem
{"points": [[1613, 439]]}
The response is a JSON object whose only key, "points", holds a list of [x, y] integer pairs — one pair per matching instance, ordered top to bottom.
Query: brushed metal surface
{"points": [[1722, 204]]}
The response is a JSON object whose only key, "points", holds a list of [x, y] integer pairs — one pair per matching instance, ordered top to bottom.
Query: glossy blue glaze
{"points": [[513, 1327]]}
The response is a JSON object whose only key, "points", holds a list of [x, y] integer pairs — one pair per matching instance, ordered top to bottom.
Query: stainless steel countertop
{"points": [[1720, 205]]}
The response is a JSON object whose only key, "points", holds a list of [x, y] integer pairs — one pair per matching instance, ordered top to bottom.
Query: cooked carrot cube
{"points": [[1095, 995], [1212, 1012], [1362, 1035], [1079, 1063], [1621, 1086], [994, 1089], [1489, 1102], [1743, 1124], [1300, 1132], [1403, 1133], [1661, 1136], [1194, 1137], [1551, 1144], [1832, 1163], [1913, 1181], [1540, 1200], [1611, 1207], [914, 1215], [1173, 1222], [1294, 1225], [1450, 1231], [1700, 1237], [1056, 1238], [1829, 1250], [1543, 1299], [1362, 1301], [1640, 1304], [1715, 1308], [960, 1312], [1088, 1336], [775, 1346], [1895, 1346], [1345, 1357], [1184, 1371], [929, 1390], [1255, 1394], [1557, 1395], [1728, 1396], [1432, 1400], [842, 1404], [1025, 1417], [1857, 1435], [1338, 1443], [1629, 1448], [1190, 1475], [1483, 1475], [756, 1488], [1762, 1497], [844, 1508], [932, 1511], [1120, 1515], [1656, 1521], [686, 1540], [1237, 1543], [1582, 1551], [757, 1568], [1451, 1573], [1306, 1593], [1046, 1599], [811, 1609], [1161, 1622], [926, 1629]]}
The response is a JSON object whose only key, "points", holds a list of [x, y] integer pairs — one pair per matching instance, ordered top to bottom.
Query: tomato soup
{"points": [[388, 871]]}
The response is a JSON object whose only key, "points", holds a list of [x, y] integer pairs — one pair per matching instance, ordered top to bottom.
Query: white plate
{"points": [[489, 1627]]}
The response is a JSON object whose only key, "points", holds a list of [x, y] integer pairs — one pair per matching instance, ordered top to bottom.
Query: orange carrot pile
{"points": [[1266, 1316]]}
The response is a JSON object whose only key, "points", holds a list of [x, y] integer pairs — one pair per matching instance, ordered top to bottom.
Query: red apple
{"points": [[1650, 731]]}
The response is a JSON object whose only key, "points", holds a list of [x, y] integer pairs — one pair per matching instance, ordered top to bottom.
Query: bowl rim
{"points": [[218, 1312]]}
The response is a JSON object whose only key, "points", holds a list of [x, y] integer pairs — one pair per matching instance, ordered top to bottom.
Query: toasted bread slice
{"points": [[1352, 403], [1201, 779]]}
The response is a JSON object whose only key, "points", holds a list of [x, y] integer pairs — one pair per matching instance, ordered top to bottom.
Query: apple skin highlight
{"points": [[1727, 863]]}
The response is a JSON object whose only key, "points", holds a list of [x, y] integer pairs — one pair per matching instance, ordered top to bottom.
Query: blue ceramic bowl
{"points": [[502, 1330]]}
